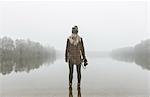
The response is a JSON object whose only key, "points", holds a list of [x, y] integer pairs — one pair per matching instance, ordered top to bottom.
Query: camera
{"points": [[85, 63]]}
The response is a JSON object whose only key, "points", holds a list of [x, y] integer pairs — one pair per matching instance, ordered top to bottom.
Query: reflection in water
{"points": [[140, 54], [23, 55], [142, 61], [22, 64], [51, 81], [79, 92], [71, 94]]}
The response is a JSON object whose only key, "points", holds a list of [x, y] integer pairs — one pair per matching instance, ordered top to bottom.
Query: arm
{"points": [[83, 51], [66, 52]]}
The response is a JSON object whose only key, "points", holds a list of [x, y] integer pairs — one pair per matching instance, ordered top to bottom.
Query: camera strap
{"points": [[84, 67]]}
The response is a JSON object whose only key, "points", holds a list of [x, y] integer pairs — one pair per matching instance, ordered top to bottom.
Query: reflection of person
{"points": [[75, 54], [79, 93], [71, 94]]}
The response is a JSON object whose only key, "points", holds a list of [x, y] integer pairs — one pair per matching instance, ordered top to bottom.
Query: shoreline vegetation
{"points": [[140, 54], [23, 55]]}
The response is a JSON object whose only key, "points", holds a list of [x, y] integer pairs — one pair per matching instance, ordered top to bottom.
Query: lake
{"points": [[103, 77]]}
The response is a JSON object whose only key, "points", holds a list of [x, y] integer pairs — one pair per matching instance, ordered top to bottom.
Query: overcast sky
{"points": [[104, 25]]}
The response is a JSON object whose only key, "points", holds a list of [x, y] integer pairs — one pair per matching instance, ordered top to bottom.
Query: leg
{"points": [[78, 67], [70, 74], [79, 92], [70, 93]]}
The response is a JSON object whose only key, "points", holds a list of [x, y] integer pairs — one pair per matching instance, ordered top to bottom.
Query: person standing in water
{"points": [[75, 55]]}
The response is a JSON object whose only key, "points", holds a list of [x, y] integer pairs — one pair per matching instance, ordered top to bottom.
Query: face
{"points": [[74, 30]]}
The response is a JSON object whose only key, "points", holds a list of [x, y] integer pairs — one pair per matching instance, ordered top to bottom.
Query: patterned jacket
{"points": [[74, 53]]}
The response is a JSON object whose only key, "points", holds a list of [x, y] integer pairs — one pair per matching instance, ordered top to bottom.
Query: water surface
{"points": [[104, 77]]}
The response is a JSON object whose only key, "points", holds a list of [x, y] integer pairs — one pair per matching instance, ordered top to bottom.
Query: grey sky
{"points": [[104, 25]]}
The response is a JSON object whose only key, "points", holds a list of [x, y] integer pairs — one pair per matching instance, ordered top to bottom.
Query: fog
{"points": [[104, 25], [116, 35]]}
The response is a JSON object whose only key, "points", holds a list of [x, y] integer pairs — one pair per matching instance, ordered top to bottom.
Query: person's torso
{"points": [[75, 50]]}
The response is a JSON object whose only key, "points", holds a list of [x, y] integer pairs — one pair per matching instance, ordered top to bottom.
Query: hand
{"points": [[85, 62]]}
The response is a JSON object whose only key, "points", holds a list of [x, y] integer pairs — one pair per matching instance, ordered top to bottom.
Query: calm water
{"points": [[104, 77]]}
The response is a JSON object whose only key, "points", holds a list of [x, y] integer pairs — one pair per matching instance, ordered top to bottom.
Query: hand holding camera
{"points": [[85, 62]]}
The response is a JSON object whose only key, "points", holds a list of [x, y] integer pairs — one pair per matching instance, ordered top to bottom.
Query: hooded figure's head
{"points": [[75, 30]]}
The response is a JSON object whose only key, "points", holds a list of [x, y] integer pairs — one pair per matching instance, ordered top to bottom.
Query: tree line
{"points": [[26, 49], [23, 54], [140, 54]]}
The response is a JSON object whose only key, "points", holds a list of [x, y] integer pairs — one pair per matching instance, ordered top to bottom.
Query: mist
{"points": [[103, 25], [116, 40]]}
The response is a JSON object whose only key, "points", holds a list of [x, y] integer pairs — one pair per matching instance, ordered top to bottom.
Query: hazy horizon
{"points": [[103, 25]]}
